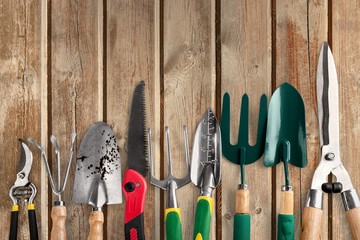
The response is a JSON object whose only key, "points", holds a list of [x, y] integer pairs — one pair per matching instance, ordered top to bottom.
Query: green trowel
{"points": [[286, 142], [242, 154]]}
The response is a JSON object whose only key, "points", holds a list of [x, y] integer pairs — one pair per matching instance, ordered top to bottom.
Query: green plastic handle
{"points": [[202, 218], [173, 224], [286, 226], [242, 227]]}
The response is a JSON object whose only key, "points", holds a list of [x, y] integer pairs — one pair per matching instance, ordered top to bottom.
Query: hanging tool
{"points": [[286, 142], [242, 154], [330, 162], [205, 171], [98, 174], [170, 184], [135, 186], [23, 189], [58, 211]]}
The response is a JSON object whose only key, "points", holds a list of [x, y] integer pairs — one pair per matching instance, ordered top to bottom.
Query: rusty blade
{"points": [[98, 172]]}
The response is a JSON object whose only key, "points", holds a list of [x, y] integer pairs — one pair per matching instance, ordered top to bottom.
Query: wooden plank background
{"points": [[66, 64]]}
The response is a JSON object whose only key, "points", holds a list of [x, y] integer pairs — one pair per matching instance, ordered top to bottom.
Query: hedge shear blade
{"points": [[330, 162], [23, 189]]}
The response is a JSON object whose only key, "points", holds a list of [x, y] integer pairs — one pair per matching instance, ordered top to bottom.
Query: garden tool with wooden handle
{"points": [[286, 142], [242, 154], [330, 161], [98, 174], [58, 211]]}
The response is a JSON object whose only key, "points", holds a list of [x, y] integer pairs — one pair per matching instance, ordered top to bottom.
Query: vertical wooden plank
{"points": [[301, 27], [344, 40], [130, 48], [246, 68], [189, 87], [20, 88], [74, 89]]}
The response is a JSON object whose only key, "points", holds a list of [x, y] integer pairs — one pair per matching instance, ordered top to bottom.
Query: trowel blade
{"points": [[98, 171]]}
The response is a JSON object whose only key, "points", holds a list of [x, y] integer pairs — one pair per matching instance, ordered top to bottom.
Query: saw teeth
{"points": [[146, 153]]}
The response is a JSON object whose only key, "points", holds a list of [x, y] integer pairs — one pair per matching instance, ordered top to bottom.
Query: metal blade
{"points": [[327, 98], [328, 116], [137, 142], [206, 154], [24, 166], [98, 171]]}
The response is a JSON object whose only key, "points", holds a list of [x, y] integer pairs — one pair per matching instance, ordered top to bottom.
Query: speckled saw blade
{"points": [[137, 142], [98, 171]]}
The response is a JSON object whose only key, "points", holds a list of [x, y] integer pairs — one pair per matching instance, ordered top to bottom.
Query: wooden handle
{"points": [[286, 202], [242, 204], [58, 216], [353, 217], [96, 222], [311, 222]]}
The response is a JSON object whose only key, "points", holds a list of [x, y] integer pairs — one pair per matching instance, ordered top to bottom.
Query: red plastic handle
{"points": [[134, 188]]}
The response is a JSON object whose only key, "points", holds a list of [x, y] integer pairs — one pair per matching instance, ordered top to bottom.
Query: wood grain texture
{"points": [[344, 42], [297, 49], [130, 58], [66, 64], [246, 68], [20, 86], [189, 88], [74, 89], [242, 202], [286, 202], [353, 217], [58, 218], [312, 218]]}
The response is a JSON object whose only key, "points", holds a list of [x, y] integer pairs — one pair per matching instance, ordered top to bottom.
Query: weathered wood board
{"points": [[67, 64]]}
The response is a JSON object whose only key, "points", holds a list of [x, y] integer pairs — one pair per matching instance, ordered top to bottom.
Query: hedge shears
{"points": [[330, 162]]}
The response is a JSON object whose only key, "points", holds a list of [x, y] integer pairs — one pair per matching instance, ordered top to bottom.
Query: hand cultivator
{"points": [[242, 153], [170, 184]]}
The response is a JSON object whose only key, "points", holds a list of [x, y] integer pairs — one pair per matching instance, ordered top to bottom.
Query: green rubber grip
{"points": [[203, 218], [173, 224], [242, 227], [286, 227]]}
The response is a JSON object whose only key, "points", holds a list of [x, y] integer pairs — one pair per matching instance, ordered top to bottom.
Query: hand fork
{"points": [[242, 153], [170, 184]]}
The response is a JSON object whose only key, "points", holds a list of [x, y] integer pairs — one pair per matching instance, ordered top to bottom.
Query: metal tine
{"points": [[55, 144], [168, 151], [150, 153], [187, 153], [43, 154], [67, 169], [183, 181], [161, 184], [164, 184], [60, 187]]}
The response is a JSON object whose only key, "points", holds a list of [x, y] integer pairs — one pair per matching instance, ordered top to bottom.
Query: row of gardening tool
{"points": [[281, 137]]}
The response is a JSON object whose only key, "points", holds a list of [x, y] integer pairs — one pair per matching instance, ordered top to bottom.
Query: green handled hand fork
{"points": [[242, 153]]}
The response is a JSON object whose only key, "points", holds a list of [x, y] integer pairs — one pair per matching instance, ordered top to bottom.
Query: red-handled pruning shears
{"points": [[25, 189]]}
